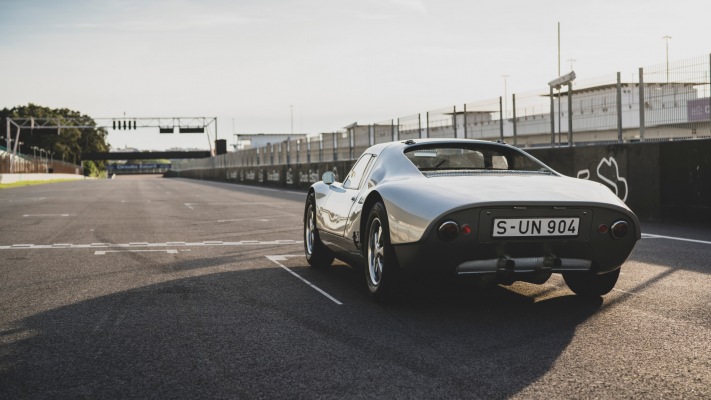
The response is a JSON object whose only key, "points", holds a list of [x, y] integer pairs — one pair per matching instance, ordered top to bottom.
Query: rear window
{"points": [[475, 156]]}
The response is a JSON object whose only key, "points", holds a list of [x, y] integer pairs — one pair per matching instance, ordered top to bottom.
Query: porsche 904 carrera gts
{"points": [[459, 207]]}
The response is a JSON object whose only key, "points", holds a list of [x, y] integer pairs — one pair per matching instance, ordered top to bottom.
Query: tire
{"points": [[317, 254], [382, 272], [590, 284]]}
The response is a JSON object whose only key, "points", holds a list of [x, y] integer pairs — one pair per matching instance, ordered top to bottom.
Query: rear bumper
{"points": [[479, 252], [437, 257]]}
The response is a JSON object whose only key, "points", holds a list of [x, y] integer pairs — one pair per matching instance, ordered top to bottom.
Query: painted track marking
{"points": [[48, 215], [650, 236], [206, 243], [104, 252], [276, 260]]}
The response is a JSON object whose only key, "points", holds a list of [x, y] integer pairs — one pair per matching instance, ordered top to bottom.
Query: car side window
{"points": [[355, 177]]}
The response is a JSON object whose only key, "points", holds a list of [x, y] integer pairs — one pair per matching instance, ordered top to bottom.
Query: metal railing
{"points": [[657, 103], [28, 164]]}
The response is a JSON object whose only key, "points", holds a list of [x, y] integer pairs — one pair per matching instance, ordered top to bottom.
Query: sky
{"points": [[311, 66]]}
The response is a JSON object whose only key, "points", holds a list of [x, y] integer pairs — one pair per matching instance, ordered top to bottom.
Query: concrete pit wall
{"points": [[662, 181]]}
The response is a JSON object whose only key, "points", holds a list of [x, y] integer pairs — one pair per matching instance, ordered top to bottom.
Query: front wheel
{"points": [[317, 254], [382, 269], [591, 284]]}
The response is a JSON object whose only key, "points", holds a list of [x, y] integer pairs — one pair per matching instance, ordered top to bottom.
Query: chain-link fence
{"points": [[661, 102], [483, 120], [409, 127]]}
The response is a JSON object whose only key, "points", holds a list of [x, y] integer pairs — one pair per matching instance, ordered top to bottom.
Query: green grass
{"points": [[28, 183]]}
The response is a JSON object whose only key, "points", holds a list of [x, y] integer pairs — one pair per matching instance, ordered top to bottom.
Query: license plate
{"points": [[536, 227]]}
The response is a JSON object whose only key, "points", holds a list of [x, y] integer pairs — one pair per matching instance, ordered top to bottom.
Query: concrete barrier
{"points": [[668, 181]]}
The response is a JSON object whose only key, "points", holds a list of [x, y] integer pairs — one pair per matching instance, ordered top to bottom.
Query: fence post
{"points": [[513, 100], [641, 104], [619, 108], [570, 114], [552, 118], [501, 119], [454, 120], [465, 120], [419, 124], [427, 132], [351, 142], [335, 146]]}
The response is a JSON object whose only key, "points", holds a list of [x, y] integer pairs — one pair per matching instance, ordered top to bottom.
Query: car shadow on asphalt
{"points": [[257, 333]]}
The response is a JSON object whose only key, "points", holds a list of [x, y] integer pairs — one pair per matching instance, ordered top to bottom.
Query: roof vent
{"points": [[410, 141]]}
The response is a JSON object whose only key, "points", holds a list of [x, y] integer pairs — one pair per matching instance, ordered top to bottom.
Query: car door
{"points": [[341, 197]]}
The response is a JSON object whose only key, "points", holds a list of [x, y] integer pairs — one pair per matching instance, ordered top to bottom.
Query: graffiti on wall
{"points": [[609, 173]]}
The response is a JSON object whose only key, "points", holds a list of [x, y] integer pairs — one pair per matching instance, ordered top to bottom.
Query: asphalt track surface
{"points": [[169, 288]]}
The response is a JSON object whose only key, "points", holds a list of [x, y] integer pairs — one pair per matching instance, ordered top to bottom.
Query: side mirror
{"points": [[328, 177]]}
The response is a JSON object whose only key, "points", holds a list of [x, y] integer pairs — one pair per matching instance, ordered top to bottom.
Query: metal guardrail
{"points": [[27, 164]]}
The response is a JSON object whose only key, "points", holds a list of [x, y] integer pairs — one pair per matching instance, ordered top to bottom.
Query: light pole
{"points": [[666, 38]]}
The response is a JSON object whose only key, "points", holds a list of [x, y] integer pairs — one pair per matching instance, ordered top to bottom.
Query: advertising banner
{"points": [[699, 109]]}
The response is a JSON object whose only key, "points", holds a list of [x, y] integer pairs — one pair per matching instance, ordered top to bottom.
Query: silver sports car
{"points": [[467, 208]]}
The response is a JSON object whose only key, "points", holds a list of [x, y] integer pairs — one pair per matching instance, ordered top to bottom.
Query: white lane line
{"points": [[246, 186], [238, 203], [48, 215], [242, 219], [650, 236], [206, 243], [103, 253], [276, 259]]}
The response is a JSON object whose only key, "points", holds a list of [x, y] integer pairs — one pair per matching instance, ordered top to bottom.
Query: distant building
{"points": [[246, 141]]}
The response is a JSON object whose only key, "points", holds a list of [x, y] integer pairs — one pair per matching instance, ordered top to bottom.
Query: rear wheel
{"points": [[317, 254], [382, 270], [591, 284]]}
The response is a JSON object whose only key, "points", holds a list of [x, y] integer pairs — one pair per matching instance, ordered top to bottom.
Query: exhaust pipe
{"points": [[550, 262]]}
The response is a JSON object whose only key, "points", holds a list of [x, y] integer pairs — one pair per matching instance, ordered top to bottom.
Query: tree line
{"points": [[67, 144]]}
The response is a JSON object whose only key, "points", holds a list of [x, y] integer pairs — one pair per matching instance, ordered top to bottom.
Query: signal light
{"points": [[114, 124], [124, 124], [134, 124], [190, 130], [466, 229]]}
